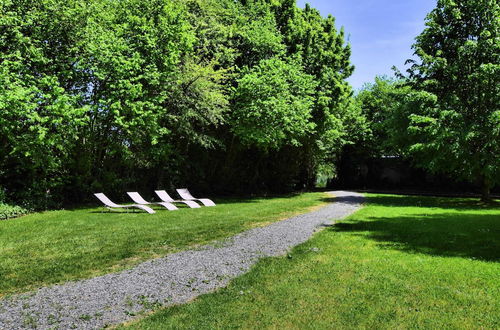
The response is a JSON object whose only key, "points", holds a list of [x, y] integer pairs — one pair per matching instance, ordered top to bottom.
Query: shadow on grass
{"points": [[253, 199], [353, 200], [418, 201], [219, 202], [139, 211], [465, 234]]}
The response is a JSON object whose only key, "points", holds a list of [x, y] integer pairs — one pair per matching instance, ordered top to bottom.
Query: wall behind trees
{"points": [[220, 95]]}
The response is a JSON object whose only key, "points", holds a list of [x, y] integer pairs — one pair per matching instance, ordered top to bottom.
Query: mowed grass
{"points": [[57, 246], [401, 262]]}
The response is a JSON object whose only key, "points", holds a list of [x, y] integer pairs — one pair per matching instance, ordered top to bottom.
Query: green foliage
{"points": [[132, 55], [325, 55], [113, 95], [382, 103], [273, 104], [444, 115], [40, 117], [455, 127], [9, 211]]}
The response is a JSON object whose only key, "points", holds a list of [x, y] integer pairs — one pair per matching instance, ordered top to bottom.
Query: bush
{"points": [[2, 195], [9, 211]]}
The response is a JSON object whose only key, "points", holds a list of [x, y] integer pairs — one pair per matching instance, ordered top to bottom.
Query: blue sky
{"points": [[381, 32]]}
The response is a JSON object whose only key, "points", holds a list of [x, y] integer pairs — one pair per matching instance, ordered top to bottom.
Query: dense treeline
{"points": [[221, 95], [230, 96]]}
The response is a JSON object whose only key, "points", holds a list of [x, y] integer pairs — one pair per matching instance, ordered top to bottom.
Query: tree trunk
{"points": [[485, 189]]}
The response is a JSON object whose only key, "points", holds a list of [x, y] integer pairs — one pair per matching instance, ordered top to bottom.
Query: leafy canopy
{"points": [[273, 104], [457, 131]]}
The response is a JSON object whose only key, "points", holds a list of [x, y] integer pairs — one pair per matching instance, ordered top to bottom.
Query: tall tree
{"points": [[326, 56], [379, 103], [273, 104], [41, 110], [458, 132]]}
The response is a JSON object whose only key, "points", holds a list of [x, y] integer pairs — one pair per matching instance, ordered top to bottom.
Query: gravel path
{"points": [[175, 279]]}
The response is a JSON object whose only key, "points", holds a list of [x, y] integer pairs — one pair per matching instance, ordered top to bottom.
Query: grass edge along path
{"points": [[58, 246], [400, 262], [178, 278]]}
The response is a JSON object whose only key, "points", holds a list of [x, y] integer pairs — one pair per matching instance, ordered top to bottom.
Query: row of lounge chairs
{"points": [[166, 201]]}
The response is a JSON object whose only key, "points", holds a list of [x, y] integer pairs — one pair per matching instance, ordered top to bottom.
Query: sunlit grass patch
{"points": [[401, 262]]}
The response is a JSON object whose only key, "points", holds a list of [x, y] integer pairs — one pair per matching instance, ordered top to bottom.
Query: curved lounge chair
{"points": [[185, 194], [164, 196], [141, 201], [111, 206]]}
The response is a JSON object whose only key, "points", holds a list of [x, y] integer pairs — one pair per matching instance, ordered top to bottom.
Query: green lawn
{"points": [[57, 246], [401, 262]]}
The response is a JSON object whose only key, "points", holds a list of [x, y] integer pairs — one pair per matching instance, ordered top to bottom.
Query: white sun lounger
{"points": [[185, 194], [164, 196], [139, 200], [111, 206]]}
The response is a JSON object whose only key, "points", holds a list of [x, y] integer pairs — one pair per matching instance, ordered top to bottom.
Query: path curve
{"points": [[174, 279]]}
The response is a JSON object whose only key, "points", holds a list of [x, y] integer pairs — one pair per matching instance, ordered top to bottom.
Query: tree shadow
{"points": [[254, 199], [353, 200], [218, 201], [418, 201], [465, 234]]}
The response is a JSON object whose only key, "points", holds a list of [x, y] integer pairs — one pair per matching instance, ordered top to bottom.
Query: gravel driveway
{"points": [[177, 278]]}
